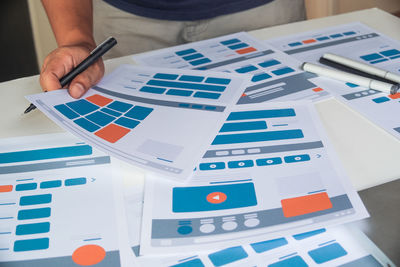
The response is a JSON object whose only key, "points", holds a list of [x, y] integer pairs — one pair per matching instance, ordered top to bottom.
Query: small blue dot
{"points": [[184, 230]]}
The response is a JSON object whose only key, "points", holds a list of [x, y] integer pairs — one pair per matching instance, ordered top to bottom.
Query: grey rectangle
{"points": [[327, 44], [234, 60], [293, 84], [360, 94], [158, 102], [267, 149], [54, 165], [167, 228]]}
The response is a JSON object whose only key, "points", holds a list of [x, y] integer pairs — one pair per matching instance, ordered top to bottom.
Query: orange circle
{"points": [[216, 197], [88, 255]]}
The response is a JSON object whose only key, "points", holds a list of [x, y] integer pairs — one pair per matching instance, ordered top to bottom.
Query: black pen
{"points": [[99, 51]]}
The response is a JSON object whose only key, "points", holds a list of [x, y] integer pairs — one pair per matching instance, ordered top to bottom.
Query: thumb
{"points": [[81, 83]]}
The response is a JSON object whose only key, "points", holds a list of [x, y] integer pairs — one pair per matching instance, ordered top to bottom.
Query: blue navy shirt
{"points": [[183, 10]]}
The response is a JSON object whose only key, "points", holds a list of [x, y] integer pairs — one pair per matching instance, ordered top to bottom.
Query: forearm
{"points": [[71, 21]]}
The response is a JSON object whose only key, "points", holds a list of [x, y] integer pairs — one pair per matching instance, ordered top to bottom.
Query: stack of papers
{"points": [[212, 155]]}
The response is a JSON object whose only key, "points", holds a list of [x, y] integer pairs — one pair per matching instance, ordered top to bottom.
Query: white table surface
{"points": [[369, 154]]}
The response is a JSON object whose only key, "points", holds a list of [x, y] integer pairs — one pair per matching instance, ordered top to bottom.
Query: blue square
{"points": [[138, 112]]}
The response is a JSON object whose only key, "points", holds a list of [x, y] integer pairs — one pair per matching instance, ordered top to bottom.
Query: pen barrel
{"points": [[362, 67], [348, 77]]}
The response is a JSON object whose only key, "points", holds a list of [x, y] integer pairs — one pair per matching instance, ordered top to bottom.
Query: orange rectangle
{"points": [[309, 41], [246, 50], [318, 89], [395, 96], [99, 100], [112, 133], [6, 188], [305, 204]]}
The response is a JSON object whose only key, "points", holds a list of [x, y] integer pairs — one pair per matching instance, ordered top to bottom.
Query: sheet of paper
{"points": [[361, 43], [275, 76], [149, 116], [270, 170], [58, 205], [336, 246]]}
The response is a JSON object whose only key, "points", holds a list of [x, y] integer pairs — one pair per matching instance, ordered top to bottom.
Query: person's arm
{"points": [[72, 24]]}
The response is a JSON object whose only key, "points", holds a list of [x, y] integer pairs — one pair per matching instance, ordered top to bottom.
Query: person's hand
{"points": [[61, 61]]}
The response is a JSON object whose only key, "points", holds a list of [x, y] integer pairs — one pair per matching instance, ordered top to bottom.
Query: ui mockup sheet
{"points": [[361, 43], [274, 75], [159, 119], [270, 169], [57, 203], [333, 246]]}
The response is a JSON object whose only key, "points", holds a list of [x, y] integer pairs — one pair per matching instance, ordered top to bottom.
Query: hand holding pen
{"points": [[51, 72]]}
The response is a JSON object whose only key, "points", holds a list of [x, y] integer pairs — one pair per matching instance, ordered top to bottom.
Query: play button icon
{"points": [[216, 197]]}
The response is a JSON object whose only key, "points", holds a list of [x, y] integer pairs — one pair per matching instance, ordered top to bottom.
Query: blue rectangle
{"points": [[349, 33], [337, 35], [323, 38], [230, 41], [294, 44], [238, 46], [185, 52], [390, 52], [193, 56], [370, 57], [394, 57], [200, 61], [379, 61], [269, 63], [246, 69], [282, 71], [165, 76], [260, 77], [191, 78], [222, 81], [186, 85], [352, 85], [152, 89], [179, 92], [207, 95], [381, 99], [82, 106], [119, 106], [66, 111], [111, 112], [138, 112], [261, 114], [100, 118], [128, 123], [87, 125], [243, 126], [257, 137], [47, 153], [297, 158], [268, 161], [240, 164], [212, 166], [75, 181], [50, 184], [26, 187], [192, 199], [35, 200], [34, 214], [32, 228], [309, 234], [31, 244], [263, 246], [327, 253], [227, 256], [296, 261], [191, 263]]}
